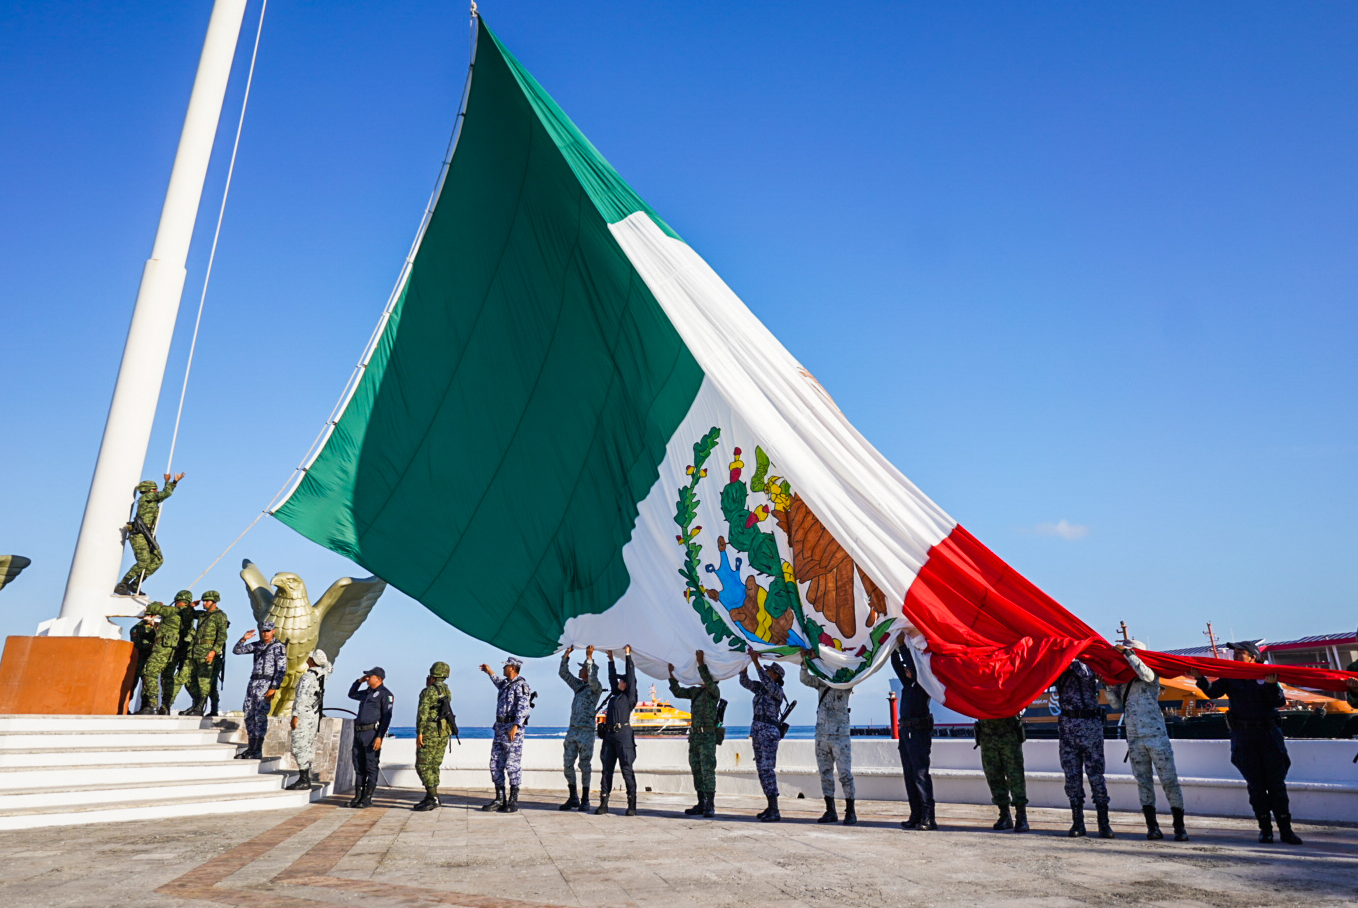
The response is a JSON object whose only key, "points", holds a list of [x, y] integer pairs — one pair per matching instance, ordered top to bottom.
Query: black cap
{"points": [[1246, 646], [378, 672]]}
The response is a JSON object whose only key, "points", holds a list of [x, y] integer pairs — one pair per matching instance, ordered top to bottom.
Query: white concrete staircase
{"points": [[62, 770]]}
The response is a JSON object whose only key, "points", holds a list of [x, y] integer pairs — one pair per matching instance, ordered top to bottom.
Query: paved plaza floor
{"points": [[390, 856]]}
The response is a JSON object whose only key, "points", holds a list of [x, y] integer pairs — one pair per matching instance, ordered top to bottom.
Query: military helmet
{"points": [[146, 485], [183, 596], [211, 596], [439, 670]]}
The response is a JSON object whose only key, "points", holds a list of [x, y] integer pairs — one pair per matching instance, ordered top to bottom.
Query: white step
{"points": [[100, 723], [106, 739], [167, 756], [20, 778], [92, 796], [123, 813]]}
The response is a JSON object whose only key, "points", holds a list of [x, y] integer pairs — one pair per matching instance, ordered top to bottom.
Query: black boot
{"points": [[122, 589], [195, 709], [146, 710], [163, 711], [303, 781], [357, 799], [367, 800], [431, 800], [584, 800], [498, 802], [573, 802], [709, 804], [512, 805], [602, 809], [696, 809], [631, 810], [771, 814], [831, 815], [850, 815], [1077, 815], [916, 817], [1021, 818], [1005, 821], [929, 822], [1152, 825], [1105, 828], [1265, 828], [1285, 829], [1180, 834]]}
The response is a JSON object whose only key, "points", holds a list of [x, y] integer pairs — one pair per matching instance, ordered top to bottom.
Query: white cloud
{"points": [[1062, 528]]}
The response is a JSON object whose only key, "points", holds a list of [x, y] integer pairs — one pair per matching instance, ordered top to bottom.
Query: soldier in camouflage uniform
{"points": [[141, 535], [143, 637], [208, 645], [182, 664], [158, 672], [266, 675], [307, 703], [768, 703], [512, 707], [1080, 729], [432, 732], [580, 735], [702, 736], [1148, 742], [1001, 743], [833, 745]]}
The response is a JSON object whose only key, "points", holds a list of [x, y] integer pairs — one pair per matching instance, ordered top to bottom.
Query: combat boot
{"points": [[122, 589], [195, 709], [146, 710], [163, 711], [303, 781], [357, 799], [367, 799], [431, 800], [584, 800], [498, 802], [573, 802], [709, 804], [512, 805], [602, 809], [631, 810], [693, 811], [771, 814], [830, 815], [850, 815], [1077, 815], [1021, 818], [913, 821], [1005, 821], [929, 823], [1105, 828], [1265, 828], [1285, 829], [1153, 832], [1180, 834]]}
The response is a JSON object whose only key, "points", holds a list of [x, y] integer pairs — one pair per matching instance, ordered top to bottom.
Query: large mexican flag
{"points": [[569, 430]]}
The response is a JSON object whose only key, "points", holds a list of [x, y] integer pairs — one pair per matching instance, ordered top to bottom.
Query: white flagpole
{"points": [[88, 600]]}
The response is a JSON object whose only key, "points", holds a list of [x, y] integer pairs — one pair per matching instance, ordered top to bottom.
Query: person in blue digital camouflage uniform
{"points": [[266, 675], [768, 702], [512, 707], [1080, 732], [579, 745]]}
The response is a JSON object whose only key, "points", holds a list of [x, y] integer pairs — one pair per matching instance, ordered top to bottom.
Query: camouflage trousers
{"points": [[147, 562], [183, 671], [158, 672], [202, 678], [256, 709], [764, 737], [304, 740], [579, 748], [1081, 749], [835, 751], [1154, 751], [506, 757], [429, 760], [702, 760], [1002, 763]]}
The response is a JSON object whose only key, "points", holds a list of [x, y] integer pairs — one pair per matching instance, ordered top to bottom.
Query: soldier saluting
{"points": [[141, 534], [370, 727]]}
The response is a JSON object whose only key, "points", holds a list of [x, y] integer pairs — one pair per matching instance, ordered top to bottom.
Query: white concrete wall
{"points": [[1323, 782]]}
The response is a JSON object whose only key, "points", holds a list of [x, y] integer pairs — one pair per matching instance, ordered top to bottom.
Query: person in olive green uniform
{"points": [[141, 535], [143, 637], [209, 642], [182, 665], [159, 668], [431, 733], [702, 736], [1001, 743]]}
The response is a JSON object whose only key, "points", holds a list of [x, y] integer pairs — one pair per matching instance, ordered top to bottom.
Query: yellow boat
{"points": [[657, 718]]}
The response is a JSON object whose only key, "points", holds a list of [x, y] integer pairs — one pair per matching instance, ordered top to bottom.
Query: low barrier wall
{"points": [[1323, 781]]}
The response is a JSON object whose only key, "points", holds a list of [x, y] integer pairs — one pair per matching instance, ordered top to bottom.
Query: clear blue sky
{"points": [[1086, 273]]}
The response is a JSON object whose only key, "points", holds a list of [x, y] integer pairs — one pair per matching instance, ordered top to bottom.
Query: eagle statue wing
{"points": [[257, 585], [343, 608]]}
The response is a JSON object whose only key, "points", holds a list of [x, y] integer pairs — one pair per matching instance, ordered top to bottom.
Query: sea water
{"points": [[806, 732]]}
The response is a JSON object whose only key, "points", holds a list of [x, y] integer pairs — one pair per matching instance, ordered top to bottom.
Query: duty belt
{"points": [[261, 677], [1081, 714], [504, 720], [921, 722], [1237, 724], [616, 726], [369, 727]]}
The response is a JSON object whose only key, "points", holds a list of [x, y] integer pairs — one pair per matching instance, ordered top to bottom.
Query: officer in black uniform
{"points": [[370, 727], [916, 741], [620, 746], [1257, 746]]}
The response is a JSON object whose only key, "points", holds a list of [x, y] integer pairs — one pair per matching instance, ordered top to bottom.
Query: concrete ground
{"points": [[389, 856]]}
